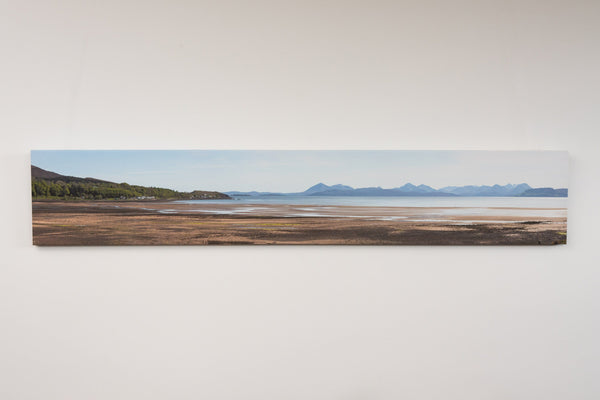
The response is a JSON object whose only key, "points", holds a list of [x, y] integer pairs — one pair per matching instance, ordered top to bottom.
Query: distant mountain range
{"points": [[495, 190], [510, 190]]}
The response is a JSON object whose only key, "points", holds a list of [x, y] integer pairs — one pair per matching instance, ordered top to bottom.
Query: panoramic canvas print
{"points": [[214, 197]]}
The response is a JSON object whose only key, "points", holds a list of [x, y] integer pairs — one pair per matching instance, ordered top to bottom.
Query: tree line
{"points": [[59, 189]]}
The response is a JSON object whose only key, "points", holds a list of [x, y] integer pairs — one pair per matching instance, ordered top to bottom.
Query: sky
{"points": [[295, 171]]}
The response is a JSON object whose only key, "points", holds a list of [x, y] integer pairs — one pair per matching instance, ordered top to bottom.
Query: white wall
{"points": [[299, 322]]}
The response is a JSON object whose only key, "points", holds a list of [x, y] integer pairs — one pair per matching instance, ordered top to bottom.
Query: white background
{"points": [[299, 322]]}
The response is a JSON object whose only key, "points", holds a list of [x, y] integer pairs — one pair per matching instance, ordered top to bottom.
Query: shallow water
{"points": [[373, 201], [441, 207], [415, 209]]}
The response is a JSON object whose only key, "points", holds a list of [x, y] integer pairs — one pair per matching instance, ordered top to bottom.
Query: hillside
{"points": [[43, 174], [50, 185], [487, 191], [545, 192]]}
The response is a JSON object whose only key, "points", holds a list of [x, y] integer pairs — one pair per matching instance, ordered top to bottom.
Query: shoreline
{"points": [[65, 223]]}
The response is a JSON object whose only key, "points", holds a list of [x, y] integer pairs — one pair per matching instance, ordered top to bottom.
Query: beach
{"points": [[91, 223]]}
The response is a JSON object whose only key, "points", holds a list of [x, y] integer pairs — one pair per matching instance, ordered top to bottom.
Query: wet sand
{"points": [[90, 223]]}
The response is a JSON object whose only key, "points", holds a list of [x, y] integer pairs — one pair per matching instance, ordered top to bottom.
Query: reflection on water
{"points": [[373, 201], [383, 208], [416, 209]]}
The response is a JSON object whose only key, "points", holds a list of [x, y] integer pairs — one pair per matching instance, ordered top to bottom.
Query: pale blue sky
{"points": [[295, 171]]}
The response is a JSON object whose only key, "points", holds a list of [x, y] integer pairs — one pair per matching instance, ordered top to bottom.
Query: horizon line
{"points": [[321, 183]]}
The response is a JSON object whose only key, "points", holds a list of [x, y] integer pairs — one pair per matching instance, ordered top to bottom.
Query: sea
{"points": [[396, 201], [496, 206]]}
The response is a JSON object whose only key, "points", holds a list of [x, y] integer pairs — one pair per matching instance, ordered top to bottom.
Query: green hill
{"points": [[50, 185]]}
